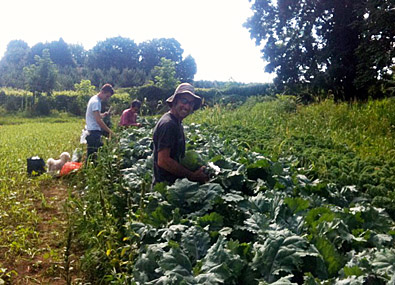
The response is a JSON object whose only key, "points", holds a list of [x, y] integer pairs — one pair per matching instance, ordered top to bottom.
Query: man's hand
{"points": [[108, 112], [199, 176]]}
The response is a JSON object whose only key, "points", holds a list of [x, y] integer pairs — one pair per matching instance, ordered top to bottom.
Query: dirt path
{"points": [[51, 263]]}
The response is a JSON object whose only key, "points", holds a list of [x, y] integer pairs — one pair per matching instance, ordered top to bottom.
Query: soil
{"points": [[49, 264]]}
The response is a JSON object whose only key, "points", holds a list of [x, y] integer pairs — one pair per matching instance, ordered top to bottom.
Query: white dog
{"points": [[57, 164]]}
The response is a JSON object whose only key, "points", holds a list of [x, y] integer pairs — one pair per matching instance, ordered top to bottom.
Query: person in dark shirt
{"points": [[169, 139]]}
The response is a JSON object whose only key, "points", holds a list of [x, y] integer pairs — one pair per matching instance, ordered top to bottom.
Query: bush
{"points": [[250, 89], [153, 93], [234, 94], [2, 97], [152, 98], [71, 101], [120, 101], [61, 102], [13, 103], [286, 103], [42, 107], [3, 111]]}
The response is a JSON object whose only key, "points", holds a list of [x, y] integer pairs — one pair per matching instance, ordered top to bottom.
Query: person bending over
{"points": [[129, 116]]}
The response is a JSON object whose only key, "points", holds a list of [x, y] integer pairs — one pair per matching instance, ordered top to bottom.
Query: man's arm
{"points": [[136, 124], [102, 125], [172, 166]]}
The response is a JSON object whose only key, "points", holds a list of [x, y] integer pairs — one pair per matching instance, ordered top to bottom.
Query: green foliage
{"points": [[345, 47], [117, 52], [117, 60], [12, 63], [186, 69], [165, 74], [41, 76], [84, 88], [84, 91], [234, 94], [152, 97], [73, 102], [42, 107], [348, 144], [192, 160], [257, 221], [283, 253]]}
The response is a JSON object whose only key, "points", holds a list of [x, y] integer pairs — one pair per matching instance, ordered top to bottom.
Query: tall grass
{"points": [[366, 128]]}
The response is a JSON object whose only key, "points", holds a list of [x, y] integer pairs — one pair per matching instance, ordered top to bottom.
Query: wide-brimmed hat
{"points": [[185, 88]]}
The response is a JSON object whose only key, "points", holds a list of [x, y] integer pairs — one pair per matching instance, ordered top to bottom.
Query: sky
{"points": [[211, 31]]}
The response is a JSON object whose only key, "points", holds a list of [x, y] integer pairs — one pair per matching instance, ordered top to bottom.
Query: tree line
{"points": [[340, 47], [57, 65]]}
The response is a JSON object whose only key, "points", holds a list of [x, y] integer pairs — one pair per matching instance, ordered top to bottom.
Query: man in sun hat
{"points": [[169, 139]]}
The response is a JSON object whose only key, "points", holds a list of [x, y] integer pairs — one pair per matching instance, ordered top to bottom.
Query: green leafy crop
{"points": [[192, 160], [257, 221]]}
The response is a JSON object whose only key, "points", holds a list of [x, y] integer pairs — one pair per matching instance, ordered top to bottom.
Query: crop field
{"points": [[21, 138], [297, 195]]}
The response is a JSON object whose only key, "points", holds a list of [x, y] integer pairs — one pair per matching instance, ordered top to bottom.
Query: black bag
{"points": [[35, 165]]}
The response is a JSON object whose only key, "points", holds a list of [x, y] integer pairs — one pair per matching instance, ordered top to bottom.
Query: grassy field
{"points": [[21, 138]]}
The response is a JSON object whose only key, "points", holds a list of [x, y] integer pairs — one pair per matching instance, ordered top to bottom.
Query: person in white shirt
{"points": [[94, 120]]}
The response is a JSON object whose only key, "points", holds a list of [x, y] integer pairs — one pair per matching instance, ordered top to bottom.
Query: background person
{"points": [[129, 116], [94, 120], [169, 138]]}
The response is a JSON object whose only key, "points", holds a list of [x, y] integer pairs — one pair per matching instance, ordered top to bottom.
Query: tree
{"points": [[322, 44], [377, 47], [37, 49], [115, 52], [151, 52], [16, 53], [61, 53], [79, 54], [11, 65], [186, 69], [166, 74], [41, 76], [97, 77], [131, 77], [84, 88]]}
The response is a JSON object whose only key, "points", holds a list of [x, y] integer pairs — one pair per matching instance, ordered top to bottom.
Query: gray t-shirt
{"points": [[94, 104], [168, 133]]}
